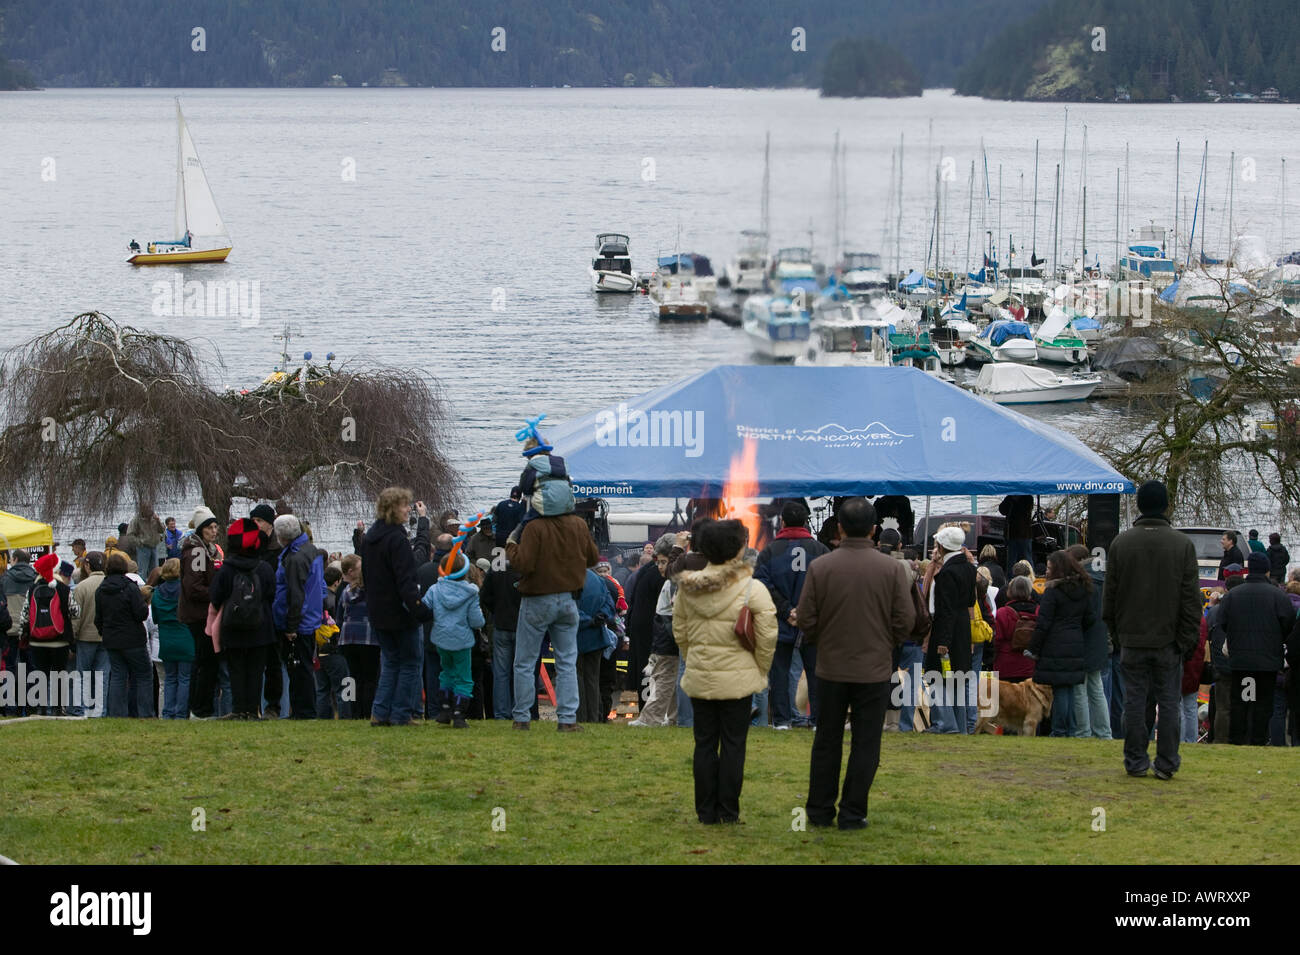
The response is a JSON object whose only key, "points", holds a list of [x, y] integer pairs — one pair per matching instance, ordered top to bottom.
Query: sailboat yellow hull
{"points": [[171, 258]]}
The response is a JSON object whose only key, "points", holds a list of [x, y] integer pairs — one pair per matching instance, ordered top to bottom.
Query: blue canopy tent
{"points": [[823, 431]]}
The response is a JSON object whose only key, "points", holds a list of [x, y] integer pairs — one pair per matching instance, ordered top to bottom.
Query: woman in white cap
{"points": [[952, 594]]}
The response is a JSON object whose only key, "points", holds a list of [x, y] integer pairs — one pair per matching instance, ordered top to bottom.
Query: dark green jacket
{"points": [[1152, 595]]}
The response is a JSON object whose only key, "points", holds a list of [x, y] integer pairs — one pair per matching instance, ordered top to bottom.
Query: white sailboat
{"points": [[202, 235]]}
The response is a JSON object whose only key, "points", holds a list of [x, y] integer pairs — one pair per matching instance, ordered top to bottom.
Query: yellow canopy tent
{"points": [[18, 532]]}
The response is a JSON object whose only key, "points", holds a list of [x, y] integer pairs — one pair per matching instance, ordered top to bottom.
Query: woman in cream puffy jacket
{"points": [[721, 675]]}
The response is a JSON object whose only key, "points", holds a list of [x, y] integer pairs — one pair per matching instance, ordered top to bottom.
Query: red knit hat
{"points": [[244, 537], [45, 566]]}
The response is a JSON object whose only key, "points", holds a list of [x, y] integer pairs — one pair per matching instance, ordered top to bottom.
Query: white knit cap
{"points": [[951, 538]]}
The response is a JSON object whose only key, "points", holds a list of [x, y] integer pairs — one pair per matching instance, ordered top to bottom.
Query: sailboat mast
{"points": [[1178, 155], [1232, 189], [970, 207], [182, 208], [764, 216], [1117, 221], [1128, 222], [1056, 223], [898, 227], [836, 228], [1084, 233], [1284, 249], [1033, 252], [996, 255]]}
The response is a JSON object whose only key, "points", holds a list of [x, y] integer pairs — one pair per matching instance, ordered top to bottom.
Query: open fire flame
{"points": [[742, 486]]}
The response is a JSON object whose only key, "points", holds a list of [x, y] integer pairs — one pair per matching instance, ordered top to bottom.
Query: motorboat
{"points": [[1145, 259], [611, 267], [687, 268], [793, 271], [746, 273], [861, 273], [1026, 284], [975, 294], [677, 300], [776, 327], [846, 333], [1003, 341], [949, 344], [1056, 344], [1010, 383]]}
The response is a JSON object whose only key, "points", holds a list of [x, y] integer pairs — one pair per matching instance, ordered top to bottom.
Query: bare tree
{"points": [[95, 412], [1216, 419]]}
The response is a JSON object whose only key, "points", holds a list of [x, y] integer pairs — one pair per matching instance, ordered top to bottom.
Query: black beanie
{"points": [[1153, 499], [265, 511]]}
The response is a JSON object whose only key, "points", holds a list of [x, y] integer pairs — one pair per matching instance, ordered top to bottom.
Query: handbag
{"points": [[745, 623], [920, 629], [980, 630]]}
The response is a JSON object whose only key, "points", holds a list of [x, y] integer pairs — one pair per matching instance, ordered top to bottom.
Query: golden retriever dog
{"points": [[1021, 707]]}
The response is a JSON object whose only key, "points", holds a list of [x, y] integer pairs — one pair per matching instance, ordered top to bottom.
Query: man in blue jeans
{"points": [[552, 555], [781, 567], [393, 599], [500, 600]]}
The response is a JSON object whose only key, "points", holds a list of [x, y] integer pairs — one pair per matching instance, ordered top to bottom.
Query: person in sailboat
{"points": [[188, 235], [135, 246]]}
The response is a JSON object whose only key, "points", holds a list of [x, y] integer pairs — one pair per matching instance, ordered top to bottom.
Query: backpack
{"points": [[243, 608], [45, 618], [1026, 624]]}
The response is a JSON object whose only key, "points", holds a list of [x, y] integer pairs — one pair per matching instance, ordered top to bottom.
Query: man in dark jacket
{"points": [[1018, 509], [507, 515], [1231, 552], [552, 555], [1278, 558], [782, 566], [642, 593], [393, 600], [500, 600], [1151, 603], [856, 607], [299, 610], [120, 612], [1258, 618]]}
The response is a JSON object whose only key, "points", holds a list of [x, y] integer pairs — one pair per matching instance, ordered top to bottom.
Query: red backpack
{"points": [[45, 617]]}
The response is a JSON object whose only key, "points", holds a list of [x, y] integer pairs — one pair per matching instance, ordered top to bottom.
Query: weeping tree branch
{"points": [[94, 414], [1217, 419]]}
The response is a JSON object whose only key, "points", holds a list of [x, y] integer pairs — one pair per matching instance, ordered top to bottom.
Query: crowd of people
{"points": [[451, 622]]}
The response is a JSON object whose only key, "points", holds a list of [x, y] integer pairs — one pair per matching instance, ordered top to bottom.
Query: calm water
{"points": [[460, 192]]}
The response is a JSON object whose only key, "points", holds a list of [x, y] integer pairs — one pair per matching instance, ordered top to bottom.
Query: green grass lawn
{"points": [[119, 791]]}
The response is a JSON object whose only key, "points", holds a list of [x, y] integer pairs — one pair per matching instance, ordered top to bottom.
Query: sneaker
{"points": [[637, 722], [381, 723], [520, 725], [781, 726], [569, 727], [1136, 774], [1161, 774], [853, 823]]}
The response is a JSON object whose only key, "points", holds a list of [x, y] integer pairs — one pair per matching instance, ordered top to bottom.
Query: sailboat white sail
{"points": [[200, 232]]}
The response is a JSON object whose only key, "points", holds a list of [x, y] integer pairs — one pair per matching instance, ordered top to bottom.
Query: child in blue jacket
{"points": [[456, 615]]}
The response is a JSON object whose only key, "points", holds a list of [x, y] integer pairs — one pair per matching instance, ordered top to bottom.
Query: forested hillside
{"points": [[552, 43], [1149, 51]]}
